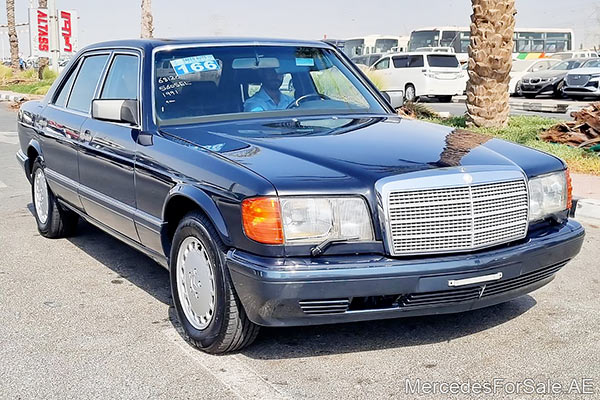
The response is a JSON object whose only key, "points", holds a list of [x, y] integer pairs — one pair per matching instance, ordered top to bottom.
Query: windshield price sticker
{"points": [[305, 62], [191, 65]]}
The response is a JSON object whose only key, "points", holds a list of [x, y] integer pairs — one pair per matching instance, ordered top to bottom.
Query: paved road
{"points": [[459, 108], [87, 317]]}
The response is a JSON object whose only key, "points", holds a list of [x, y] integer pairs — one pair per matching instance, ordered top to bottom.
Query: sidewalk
{"points": [[5, 95], [586, 192]]}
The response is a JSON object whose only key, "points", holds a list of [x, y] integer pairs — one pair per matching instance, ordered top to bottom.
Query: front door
{"points": [[106, 158]]}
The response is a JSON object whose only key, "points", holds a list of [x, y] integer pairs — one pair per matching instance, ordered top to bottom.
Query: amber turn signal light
{"points": [[569, 189], [261, 217]]}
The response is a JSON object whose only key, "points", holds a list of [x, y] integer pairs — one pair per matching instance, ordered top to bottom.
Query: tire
{"points": [[518, 90], [558, 90], [410, 94], [444, 99], [53, 221], [210, 311]]}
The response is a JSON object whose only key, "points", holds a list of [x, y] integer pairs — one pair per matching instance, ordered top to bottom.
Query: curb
{"points": [[12, 97], [560, 108], [587, 210]]}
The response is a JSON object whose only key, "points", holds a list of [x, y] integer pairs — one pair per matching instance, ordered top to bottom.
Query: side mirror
{"points": [[116, 110]]}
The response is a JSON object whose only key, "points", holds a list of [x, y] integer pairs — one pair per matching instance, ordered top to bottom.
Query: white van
{"points": [[417, 74]]}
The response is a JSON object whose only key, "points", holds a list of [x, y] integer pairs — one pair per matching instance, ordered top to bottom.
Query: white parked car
{"points": [[565, 55], [522, 67], [419, 74], [583, 82]]}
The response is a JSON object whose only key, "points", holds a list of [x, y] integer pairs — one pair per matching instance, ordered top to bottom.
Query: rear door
{"points": [[61, 126], [106, 158]]}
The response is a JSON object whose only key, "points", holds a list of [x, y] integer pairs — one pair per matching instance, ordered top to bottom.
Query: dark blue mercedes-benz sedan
{"points": [[280, 188]]}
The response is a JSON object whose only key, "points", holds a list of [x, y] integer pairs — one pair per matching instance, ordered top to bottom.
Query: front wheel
{"points": [[410, 94], [53, 221], [208, 308]]}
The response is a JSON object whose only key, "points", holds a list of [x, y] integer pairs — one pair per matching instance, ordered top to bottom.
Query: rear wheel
{"points": [[410, 94], [53, 221], [208, 308]]}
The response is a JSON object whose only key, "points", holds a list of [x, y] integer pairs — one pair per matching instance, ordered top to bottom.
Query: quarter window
{"points": [[415, 61], [122, 79], [86, 82]]}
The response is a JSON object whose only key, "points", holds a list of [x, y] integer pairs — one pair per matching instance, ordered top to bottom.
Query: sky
{"points": [[306, 19]]}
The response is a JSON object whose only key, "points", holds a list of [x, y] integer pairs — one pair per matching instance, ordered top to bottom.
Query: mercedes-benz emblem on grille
{"points": [[468, 179]]}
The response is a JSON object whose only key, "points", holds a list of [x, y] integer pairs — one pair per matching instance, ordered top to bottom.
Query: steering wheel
{"points": [[306, 97]]}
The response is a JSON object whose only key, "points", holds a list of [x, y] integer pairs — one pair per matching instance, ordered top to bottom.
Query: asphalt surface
{"points": [[459, 108], [88, 317]]}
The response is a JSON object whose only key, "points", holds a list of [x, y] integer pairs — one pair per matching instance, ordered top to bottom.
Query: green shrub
{"points": [[5, 72]]}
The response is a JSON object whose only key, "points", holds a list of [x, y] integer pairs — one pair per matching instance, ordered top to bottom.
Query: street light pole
{"points": [[53, 28]]}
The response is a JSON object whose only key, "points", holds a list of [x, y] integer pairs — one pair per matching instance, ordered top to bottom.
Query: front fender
{"points": [[204, 202]]}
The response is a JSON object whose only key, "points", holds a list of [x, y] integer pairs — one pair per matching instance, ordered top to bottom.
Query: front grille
{"points": [[578, 80], [458, 218], [452, 296], [332, 306]]}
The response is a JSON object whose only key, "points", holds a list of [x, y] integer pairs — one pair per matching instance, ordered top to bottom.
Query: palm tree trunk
{"points": [[147, 20], [12, 34], [42, 61], [490, 62]]}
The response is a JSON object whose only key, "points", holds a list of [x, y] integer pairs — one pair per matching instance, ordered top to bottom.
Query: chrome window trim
{"points": [[80, 62], [442, 178]]}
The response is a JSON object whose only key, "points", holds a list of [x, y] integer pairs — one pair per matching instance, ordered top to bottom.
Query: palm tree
{"points": [[147, 20], [12, 34], [43, 61], [490, 61]]}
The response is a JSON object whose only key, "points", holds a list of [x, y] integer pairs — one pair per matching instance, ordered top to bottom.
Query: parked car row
{"points": [[582, 79]]}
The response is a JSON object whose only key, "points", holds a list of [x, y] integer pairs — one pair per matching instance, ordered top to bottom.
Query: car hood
{"points": [[585, 71], [545, 74], [343, 153]]}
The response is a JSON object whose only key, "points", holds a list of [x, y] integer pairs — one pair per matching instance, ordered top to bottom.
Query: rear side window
{"points": [[415, 61], [442, 61], [400, 62], [122, 79], [86, 82], [61, 100]]}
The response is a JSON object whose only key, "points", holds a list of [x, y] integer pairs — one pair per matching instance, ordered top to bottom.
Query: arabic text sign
{"points": [[41, 40]]}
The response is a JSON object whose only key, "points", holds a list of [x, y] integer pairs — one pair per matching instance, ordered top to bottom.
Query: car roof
{"points": [[150, 44]]}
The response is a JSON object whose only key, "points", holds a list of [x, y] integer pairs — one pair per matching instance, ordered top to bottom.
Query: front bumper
{"points": [[539, 88], [324, 290]]}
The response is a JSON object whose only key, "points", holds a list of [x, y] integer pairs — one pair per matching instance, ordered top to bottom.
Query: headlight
{"points": [[549, 194], [306, 220]]}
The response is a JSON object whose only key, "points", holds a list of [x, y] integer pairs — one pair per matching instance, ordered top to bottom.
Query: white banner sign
{"points": [[43, 38]]}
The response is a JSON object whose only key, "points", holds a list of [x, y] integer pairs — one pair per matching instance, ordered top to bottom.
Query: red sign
{"points": [[42, 24], [66, 31]]}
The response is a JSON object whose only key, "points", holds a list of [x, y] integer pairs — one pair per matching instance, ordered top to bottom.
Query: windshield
{"points": [[424, 39], [385, 45], [354, 47], [592, 64], [567, 65], [255, 81]]}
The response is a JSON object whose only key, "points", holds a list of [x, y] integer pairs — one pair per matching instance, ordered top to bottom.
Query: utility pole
{"points": [[53, 35]]}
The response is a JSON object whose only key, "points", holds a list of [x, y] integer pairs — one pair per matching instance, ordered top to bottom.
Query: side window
{"points": [[415, 61], [400, 62], [383, 64], [122, 79], [86, 82], [61, 99]]}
